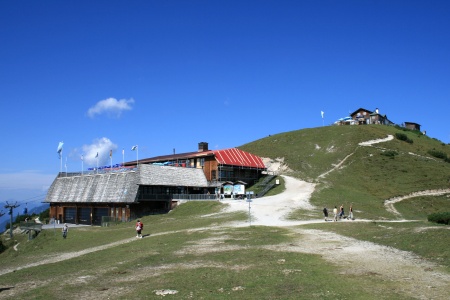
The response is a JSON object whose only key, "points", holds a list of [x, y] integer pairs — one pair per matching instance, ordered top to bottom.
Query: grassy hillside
{"points": [[368, 175], [194, 251]]}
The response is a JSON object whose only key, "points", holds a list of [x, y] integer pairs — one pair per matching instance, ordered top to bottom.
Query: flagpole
{"points": [[60, 152], [123, 157], [110, 158], [97, 162], [81, 165]]}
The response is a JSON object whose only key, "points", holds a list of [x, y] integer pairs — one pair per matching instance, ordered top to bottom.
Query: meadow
{"points": [[200, 251]]}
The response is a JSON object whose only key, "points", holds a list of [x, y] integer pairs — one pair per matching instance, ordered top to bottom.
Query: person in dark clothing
{"points": [[325, 213]]}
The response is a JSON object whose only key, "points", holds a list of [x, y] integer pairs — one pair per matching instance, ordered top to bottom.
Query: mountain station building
{"points": [[151, 185]]}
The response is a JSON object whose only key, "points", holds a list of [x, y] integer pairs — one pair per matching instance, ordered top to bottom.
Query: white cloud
{"points": [[110, 106], [101, 146]]}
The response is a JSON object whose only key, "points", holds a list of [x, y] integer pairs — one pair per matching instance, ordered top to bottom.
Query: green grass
{"points": [[367, 177], [191, 249], [236, 264]]}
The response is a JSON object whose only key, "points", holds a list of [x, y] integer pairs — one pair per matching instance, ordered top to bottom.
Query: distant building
{"points": [[364, 116], [412, 126]]}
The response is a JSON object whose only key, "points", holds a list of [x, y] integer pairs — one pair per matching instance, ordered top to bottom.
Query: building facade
{"points": [[150, 186]]}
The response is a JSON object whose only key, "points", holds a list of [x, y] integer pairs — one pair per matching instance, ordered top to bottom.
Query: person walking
{"points": [[341, 211], [335, 212], [350, 212], [325, 213], [139, 227], [64, 230]]}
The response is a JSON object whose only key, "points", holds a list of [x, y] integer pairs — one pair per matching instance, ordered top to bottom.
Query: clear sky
{"points": [[165, 75]]}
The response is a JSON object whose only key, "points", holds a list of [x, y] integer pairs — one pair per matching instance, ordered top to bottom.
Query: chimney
{"points": [[202, 146]]}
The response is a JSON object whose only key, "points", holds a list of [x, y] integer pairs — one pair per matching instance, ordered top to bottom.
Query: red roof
{"points": [[237, 157]]}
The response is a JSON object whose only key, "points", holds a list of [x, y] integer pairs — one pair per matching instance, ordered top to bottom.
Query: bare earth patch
{"points": [[416, 277]]}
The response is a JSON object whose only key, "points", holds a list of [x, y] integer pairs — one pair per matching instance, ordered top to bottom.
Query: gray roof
{"points": [[171, 176], [121, 186]]}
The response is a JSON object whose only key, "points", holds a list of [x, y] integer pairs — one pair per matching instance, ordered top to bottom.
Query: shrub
{"points": [[403, 137], [390, 153], [437, 154], [440, 218], [2, 247]]}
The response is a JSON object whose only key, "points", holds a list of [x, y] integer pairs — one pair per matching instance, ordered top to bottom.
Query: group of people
{"points": [[339, 213], [139, 228]]}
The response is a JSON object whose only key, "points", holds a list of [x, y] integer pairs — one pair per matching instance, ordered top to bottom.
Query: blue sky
{"points": [[165, 75]]}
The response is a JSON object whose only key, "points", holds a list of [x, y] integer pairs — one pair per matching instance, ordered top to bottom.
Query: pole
{"points": [[137, 156], [60, 161], [249, 200], [11, 212], [10, 222]]}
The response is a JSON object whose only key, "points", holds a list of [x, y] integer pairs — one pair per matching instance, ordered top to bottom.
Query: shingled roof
{"points": [[171, 176], [121, 187]]}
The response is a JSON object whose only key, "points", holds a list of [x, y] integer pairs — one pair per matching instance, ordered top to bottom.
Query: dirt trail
{"points": [[389, 204], [419, 279]]}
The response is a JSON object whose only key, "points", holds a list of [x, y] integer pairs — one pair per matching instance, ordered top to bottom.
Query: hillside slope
{"points": [[347, 171]]}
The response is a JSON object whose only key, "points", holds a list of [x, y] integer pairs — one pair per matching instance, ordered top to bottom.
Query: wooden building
{"points": [[364, 116], [412, 126], [218, 165], [151, 186], [121, 194]]}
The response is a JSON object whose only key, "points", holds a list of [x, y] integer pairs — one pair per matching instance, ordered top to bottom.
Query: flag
{"points": [[322, 113], [60, 147], [134, 148], [123, 151], [110, 153], [96, 155], [82, 157]]}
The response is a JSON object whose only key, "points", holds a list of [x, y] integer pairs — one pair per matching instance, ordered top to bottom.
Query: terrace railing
{"points": [[195, 197]]}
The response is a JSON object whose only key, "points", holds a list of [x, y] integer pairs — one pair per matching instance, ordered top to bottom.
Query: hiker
{"points": [[341, 211], [335, 212], [325, 213], [350, 213], [139, 227], [64, 230]]}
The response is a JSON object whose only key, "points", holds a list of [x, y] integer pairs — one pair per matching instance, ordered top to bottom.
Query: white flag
{"points": [[322, 113], [60, 147], [134, 148], [96, 155], [82, 157]]}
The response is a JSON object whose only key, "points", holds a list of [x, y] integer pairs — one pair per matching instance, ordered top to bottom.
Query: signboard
{"points": [[227, 189], [239, 189]]}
